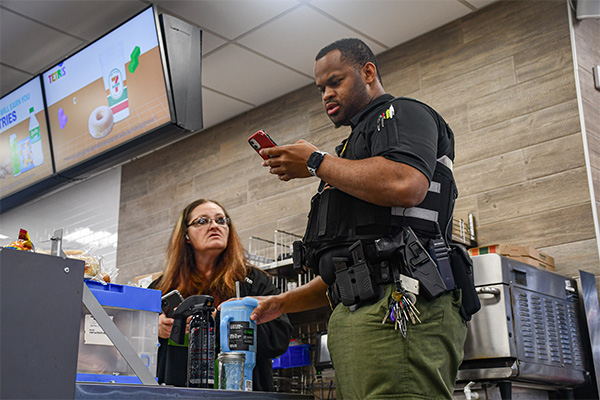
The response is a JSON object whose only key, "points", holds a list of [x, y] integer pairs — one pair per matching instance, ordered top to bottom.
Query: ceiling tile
{"points": [[481, 3], [230, 18], [87, 20], [393, 22], [295, 38], [211, 42], [31, 52], [247, 76], [11, 79], [217, 108]]}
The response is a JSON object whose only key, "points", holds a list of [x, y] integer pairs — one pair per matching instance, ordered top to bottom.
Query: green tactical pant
{"points": [[373, 361]]}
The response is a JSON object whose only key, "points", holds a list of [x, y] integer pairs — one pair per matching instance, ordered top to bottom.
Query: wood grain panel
{"points": [[515, 20], [587, 33], [499, 34], [421, 48], [551, 55], [402, 80], [471, 86], [522, 99], [457, 117], [317, 120], [545, 124], [328, 137], [554, 156], [494, 172], [267, 185], [515, 201], [273, 208], [137, 223], [566, 225], [156, 244], [136, 250], [569, 258]]}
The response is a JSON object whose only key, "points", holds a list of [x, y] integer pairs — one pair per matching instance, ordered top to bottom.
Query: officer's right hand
{"points": [[269, 308]]}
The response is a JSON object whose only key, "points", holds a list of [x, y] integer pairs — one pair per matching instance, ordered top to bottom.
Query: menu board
{"points": [[109, 93], [25, 156]]}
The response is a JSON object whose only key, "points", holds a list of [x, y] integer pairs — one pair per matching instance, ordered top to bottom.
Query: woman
{"points": [[205, 256]]}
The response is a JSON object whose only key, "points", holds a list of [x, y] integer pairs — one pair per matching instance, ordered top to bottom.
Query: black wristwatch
{"points": [[314, 161]]}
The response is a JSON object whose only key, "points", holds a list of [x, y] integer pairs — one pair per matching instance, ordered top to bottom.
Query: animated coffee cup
{"points": [[112, 63]]}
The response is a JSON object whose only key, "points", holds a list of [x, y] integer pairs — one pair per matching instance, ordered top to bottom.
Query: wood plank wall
{"points": [[587, 39], [502, 77]]}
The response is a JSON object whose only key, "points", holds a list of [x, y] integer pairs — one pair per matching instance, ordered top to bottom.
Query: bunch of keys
{"points": [[402, 309]]}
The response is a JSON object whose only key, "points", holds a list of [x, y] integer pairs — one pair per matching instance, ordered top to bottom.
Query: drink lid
{"points": [[249, 302], [232, 356]]}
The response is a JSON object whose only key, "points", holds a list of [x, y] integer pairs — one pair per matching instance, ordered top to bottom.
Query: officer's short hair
{"points": [[353, 51]]}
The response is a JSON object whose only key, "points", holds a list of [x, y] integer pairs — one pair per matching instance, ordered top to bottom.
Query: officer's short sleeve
{"points": [[408, 133]]}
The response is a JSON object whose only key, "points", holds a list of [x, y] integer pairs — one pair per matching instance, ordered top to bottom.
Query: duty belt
{"points": [[383, 260]]}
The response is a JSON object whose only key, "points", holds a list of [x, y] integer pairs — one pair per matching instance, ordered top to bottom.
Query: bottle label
{"points": [[34, 134], [241, 336]]}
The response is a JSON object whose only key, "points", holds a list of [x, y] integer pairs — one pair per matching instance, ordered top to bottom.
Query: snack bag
{"points": [[22, 243]]}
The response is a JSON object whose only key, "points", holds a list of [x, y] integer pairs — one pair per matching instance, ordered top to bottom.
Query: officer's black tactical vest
{"points": [[339, 219]]}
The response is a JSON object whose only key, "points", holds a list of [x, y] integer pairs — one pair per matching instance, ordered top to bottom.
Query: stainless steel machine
{"points": [[529, 329]]}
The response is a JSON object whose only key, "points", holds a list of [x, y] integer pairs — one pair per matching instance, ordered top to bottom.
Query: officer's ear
{"points": [[369, 73]]}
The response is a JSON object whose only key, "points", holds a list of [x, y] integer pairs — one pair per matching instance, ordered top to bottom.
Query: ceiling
{"points": [[254, 51]]}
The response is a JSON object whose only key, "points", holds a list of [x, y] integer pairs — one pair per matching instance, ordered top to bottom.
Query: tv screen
{"points": [[107, 94], [25, 156]]}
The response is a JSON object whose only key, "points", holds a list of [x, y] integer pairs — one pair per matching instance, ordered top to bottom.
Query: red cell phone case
{"points": [[260, 140]]}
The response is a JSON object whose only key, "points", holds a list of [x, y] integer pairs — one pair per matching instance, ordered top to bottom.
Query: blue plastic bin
{"points": [[134, 311], [295, 356]]}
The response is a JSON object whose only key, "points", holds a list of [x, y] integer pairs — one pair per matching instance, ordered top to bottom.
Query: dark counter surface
{"points": [[115, 391]]}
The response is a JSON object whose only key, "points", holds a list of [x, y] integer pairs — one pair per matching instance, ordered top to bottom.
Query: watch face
{"points": [[314, 160]]}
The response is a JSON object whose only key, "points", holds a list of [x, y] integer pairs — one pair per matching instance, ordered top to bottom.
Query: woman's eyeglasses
{"points": [[202, 221]]}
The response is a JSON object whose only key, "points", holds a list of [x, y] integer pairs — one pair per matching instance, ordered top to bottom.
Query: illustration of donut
{"points": [[101, 122]]}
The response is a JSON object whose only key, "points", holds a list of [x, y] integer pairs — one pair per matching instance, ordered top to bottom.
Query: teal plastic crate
{"points": [[295, 356]]}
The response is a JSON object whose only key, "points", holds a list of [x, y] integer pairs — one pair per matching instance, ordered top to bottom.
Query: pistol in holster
{"points": [[415, 261]]}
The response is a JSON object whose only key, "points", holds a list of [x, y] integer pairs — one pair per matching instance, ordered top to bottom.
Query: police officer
{"points": [[393, 172]]}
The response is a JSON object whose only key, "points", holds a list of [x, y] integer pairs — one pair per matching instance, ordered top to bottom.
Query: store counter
{"points": [[126, 392]]}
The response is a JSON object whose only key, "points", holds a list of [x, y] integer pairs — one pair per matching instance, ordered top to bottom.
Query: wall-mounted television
{"points": [[134, 89], [113, 91], [25, 152]]}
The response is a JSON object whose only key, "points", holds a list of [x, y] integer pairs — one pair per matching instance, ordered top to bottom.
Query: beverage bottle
{"points": [[35, 139], [14, 154], [238, 333], [201, 349]]}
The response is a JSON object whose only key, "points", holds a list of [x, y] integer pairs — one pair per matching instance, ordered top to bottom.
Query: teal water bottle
{"points": [[238, 333]]}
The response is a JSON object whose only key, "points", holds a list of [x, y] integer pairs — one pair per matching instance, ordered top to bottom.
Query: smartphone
{"points": [[260, 140], [170, 301]]}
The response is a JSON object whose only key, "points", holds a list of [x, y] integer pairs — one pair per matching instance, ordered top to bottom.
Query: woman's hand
{"points": [[165, 325]]}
